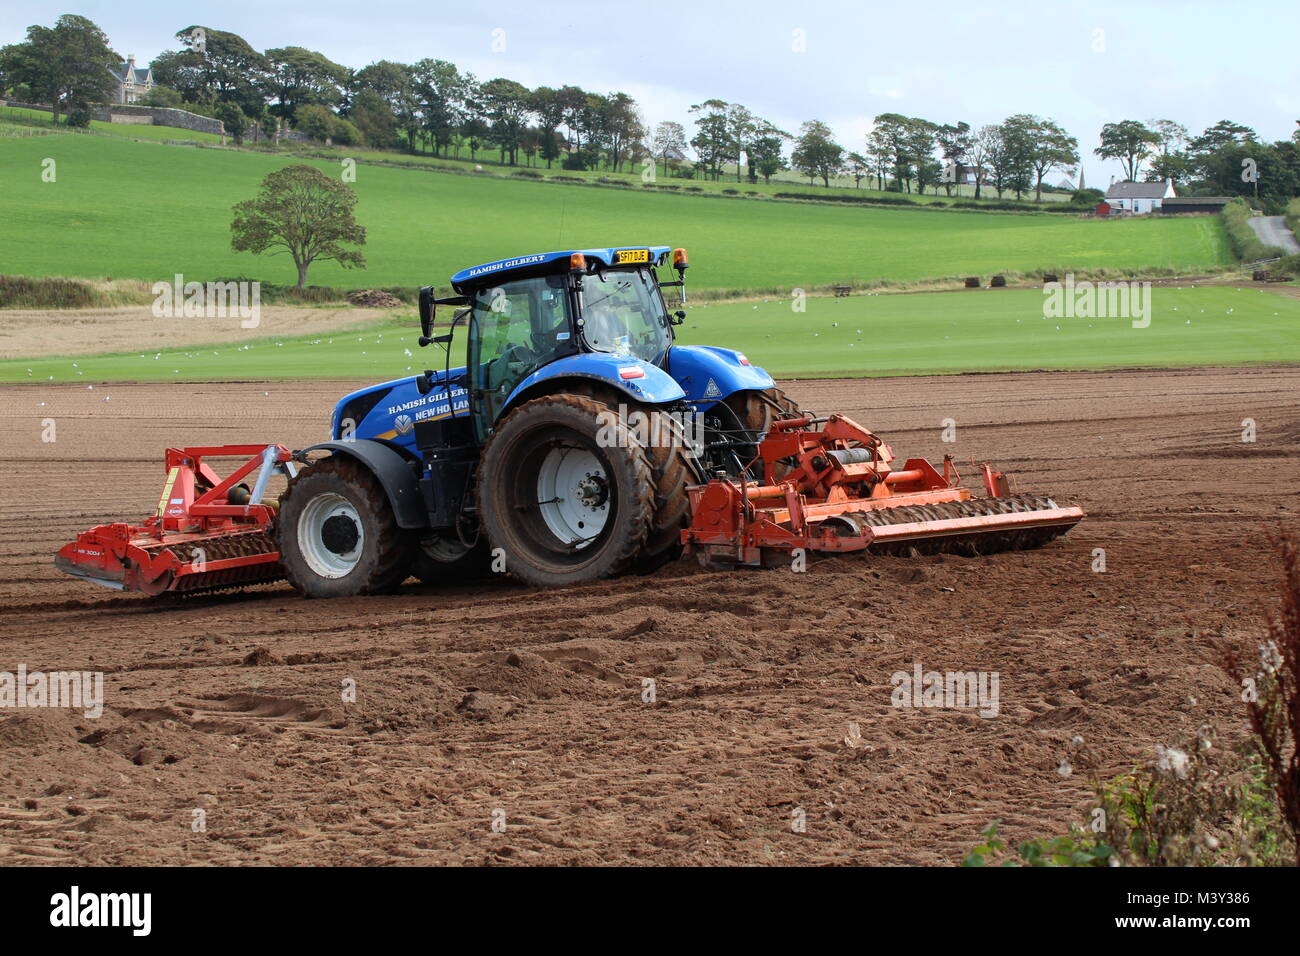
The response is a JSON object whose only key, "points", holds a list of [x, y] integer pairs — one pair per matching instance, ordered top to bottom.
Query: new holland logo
{"points": [[712, 390], [403, 424]]}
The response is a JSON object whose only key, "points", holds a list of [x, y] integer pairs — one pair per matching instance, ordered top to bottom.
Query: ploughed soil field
{"points": [[500, 704]]}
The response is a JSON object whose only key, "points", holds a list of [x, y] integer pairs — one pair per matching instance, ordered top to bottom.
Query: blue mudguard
{"points": [[708, 374], [640, 381]]}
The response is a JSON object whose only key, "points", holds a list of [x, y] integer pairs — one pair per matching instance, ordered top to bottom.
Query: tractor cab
{"points": [[523, 315]]}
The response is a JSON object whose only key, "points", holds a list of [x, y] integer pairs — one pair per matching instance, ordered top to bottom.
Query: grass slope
{"points": [[127, 209], [864, 335]]}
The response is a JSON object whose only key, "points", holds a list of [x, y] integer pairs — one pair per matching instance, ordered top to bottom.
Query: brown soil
{"points": [[32, 333], [527, 704]]}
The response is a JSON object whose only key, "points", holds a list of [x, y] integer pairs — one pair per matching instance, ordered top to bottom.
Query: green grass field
{"points": [[127, 209], [862, 335]]}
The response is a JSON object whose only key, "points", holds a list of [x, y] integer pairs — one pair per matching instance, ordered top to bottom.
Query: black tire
{"points": [[756, 410], [671, 473], [518, 522], [381, 552], [445, 560]]}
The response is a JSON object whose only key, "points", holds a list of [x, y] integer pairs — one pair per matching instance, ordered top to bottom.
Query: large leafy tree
{"points": [[66, 65], [216, 67], [297, 76], [393, 83], [443, 95], [506, 106], [548, 107], [623, 127], [1020, 134], [669, 141], [712, 141], [1130, 142], [919, 143], [887, 145], [1053, 148], [990, 150], [765, 151], [816, 154], [300, 210]]}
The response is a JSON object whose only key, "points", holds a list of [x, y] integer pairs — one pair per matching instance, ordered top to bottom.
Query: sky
{"points": [[1080, 63]]}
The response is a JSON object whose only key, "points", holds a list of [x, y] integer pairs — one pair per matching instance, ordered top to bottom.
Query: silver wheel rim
{"points": [[573, 495], [327, 546]]}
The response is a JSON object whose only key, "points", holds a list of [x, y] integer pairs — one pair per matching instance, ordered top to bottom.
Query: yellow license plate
{"points": [[631, 255]]}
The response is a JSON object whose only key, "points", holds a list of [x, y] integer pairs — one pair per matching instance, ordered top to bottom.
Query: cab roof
{"points": [[504, 267]]}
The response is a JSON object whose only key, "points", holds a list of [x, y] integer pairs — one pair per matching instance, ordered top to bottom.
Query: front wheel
{"points": [[565, 491], [337, 533]]}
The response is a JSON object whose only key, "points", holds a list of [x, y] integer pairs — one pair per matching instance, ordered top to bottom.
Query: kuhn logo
{"points": [[403, 424]]}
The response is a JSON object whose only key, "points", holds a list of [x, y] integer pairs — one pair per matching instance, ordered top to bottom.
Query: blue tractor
{"points": [[561, 449]]}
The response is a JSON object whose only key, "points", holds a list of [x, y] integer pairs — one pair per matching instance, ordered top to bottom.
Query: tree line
{"points": [[433, 107]]}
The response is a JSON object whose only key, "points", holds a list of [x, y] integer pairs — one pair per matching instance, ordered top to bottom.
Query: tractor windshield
{"points": [[623, 313]]}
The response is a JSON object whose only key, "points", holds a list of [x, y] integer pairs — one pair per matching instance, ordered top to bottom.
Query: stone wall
{"points": [[142, 116], [159, 116]]}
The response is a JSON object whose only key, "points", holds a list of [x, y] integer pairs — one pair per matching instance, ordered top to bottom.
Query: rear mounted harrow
{"points": [[828, 485], [208, 533]]}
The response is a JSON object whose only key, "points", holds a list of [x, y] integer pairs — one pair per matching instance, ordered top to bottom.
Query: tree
{"points": [[66, 65], [223, 66], [297, 76], [392, 82], [442, 94], [506, 105], [548, 107], [373, 118], [233, 121], [621, 123], [741, 127], [1020, 135], [669, 142], [1129, 142], [712, 143], [954, 143], [887, 144], [983, 146], [1053, 148], [765, 151], [816, 153], [998, 155], [918, 156], [858, 167], [304, 212]]}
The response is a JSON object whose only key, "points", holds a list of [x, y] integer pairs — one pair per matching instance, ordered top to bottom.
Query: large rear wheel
{"points": [[565, 491], [337, 534]]}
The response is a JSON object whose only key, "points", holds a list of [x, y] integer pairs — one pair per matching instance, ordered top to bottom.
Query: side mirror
{"points": [[427, 308], [678, 317]]}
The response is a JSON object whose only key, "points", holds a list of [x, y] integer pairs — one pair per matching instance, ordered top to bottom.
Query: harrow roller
{"points": [[834, 489], [208, 533]]}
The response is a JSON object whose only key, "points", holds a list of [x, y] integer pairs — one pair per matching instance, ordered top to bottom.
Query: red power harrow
{"points": [[832, 488], [209, 532]]}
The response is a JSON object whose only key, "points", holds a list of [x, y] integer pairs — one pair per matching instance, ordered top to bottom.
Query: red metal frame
{"points": [[813, 474], [158, 554]]}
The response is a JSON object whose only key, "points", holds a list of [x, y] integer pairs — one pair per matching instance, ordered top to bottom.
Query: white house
{"points": [[1139, 197]]}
